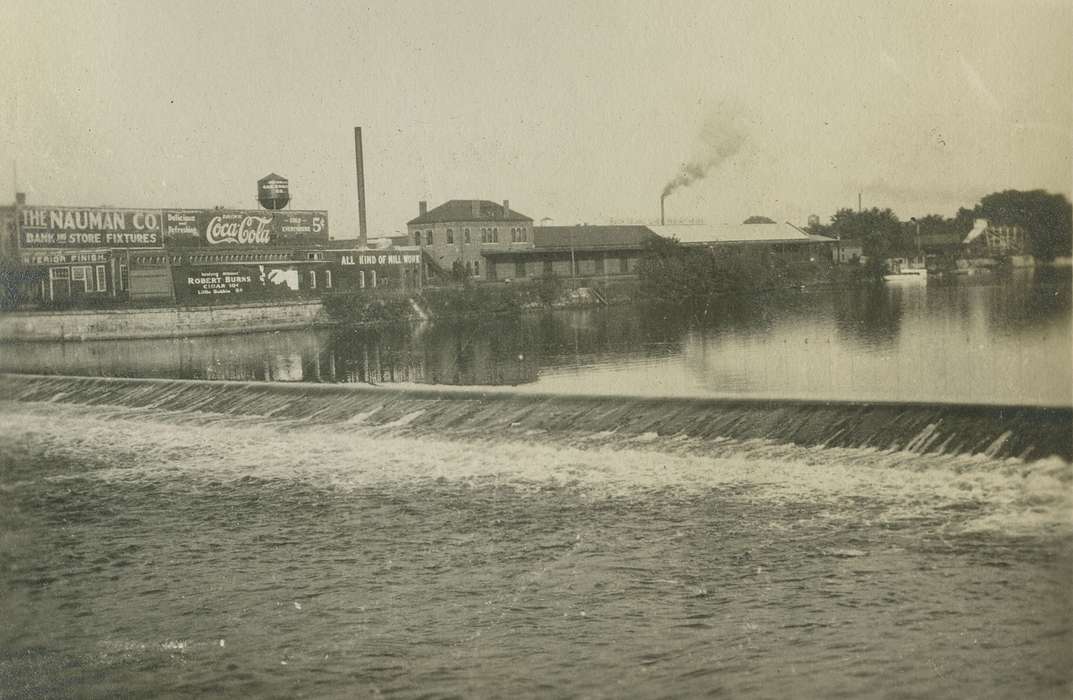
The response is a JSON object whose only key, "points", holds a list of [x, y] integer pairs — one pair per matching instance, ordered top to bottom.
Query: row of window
{"points": [[489, 234], [244, 257], [221, 258], [599, 266], [93, 279], [365, 279]]}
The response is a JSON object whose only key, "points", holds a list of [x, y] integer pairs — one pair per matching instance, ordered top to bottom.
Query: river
{"points": [[974, 342], [158, 547]]}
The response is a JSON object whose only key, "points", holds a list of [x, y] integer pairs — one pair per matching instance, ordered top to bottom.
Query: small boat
{"points": [[912, 270]]}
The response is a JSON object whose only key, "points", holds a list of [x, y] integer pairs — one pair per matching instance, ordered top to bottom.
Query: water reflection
{"points": [[872, 317], [1005, 341]]}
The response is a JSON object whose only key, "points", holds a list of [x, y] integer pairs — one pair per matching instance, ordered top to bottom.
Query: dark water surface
{"points": [[1003, 341], [149, 550]]}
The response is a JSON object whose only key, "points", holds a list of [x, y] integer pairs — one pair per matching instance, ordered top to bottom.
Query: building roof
{"points": [[462, 210], [691, 234], [590, 236], [820, 238]]}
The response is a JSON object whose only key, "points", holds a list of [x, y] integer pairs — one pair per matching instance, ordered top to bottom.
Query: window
{"points": [[524, 233], [450, 235], [465, 235], [495, 235], [428, 237], [417, 238], [599, 264], [623, 264], [476, 268], [519, 268], [58, 273], [79, 274], [372, 278], [312, 279], [327, 279], [361, 279], [102, 281]]}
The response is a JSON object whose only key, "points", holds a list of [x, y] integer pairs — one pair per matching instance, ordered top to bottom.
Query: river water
{"points": [[973, 342], [149, 549]]}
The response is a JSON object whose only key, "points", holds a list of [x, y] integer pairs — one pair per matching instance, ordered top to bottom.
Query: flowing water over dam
{"points": [[168, 537], [173, 538]]}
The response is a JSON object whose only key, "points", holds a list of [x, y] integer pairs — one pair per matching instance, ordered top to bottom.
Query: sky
{"points": [[575, 112]]}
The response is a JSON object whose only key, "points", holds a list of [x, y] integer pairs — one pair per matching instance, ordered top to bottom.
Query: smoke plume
{"points": [[721, 136]]}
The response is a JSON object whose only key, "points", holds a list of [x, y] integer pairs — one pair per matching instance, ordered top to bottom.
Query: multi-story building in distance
{"points": [[454, 235]]}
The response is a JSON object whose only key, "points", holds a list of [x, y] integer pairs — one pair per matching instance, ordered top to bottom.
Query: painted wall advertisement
{"points": [[70, 227], [230, 227], [64, 257], [205, 284]]}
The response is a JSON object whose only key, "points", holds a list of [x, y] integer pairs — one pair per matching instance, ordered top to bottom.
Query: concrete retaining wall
{"points": [[159, 323]]}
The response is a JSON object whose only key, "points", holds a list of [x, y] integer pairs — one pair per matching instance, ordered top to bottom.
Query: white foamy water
{"points": [[1008, 495], [341, 558]]}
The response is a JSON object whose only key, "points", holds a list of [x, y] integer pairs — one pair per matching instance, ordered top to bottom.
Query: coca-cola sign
{"points": [[243, 227], [238, 229]]}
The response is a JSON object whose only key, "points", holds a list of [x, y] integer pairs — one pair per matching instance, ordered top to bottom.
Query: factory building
{"points": [[454, 236], [581, 252], [590, 253], [99, 257]]}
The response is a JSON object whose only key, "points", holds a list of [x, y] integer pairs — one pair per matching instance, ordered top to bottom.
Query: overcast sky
{"points": [[581, 112]]}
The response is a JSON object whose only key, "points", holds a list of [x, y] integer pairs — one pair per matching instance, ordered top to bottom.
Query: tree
{"points": [[758, 220], [878, 229], [692, 278]]}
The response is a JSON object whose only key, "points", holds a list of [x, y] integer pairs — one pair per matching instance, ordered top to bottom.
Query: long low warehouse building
{"points": [[609, 252]]}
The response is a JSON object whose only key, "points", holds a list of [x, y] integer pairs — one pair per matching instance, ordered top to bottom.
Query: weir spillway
{"points": [[996, 431]]}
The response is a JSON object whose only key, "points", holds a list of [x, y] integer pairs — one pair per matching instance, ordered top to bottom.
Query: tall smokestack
{"points": [[661, 221], [363, 234]]}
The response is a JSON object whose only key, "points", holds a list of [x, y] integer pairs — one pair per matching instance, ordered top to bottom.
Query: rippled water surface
{"points": [[980, 341], [157, 547], [177, 553]]}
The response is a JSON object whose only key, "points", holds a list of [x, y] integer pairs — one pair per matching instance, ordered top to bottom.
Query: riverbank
{"points": [[159, 322]]}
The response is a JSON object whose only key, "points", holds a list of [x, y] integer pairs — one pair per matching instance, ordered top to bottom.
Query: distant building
{"points": [[453, 236], [995, 241], [768, 243], [583, 252], [847, 252], [606, 253]]}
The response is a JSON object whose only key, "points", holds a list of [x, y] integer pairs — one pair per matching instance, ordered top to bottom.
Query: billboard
{"points": [[88, 227], [239, 227], [107, 228], [220, 283]]}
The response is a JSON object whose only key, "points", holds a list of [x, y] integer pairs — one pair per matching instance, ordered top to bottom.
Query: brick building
{"points": [[458, 232]]}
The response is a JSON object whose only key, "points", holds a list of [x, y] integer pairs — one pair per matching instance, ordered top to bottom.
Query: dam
{"points": [[1024, 432]]}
